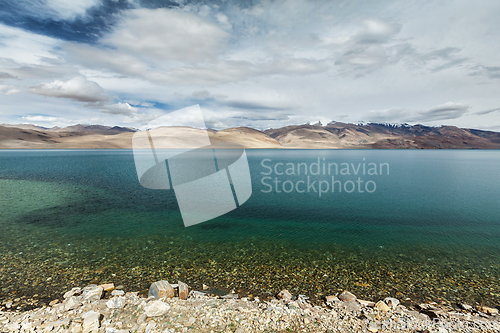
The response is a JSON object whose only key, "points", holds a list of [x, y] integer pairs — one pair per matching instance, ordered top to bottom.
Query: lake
{"points": [[413, 224]]}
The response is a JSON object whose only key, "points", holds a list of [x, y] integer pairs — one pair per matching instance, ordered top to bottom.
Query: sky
{"points": [[262, 64]]}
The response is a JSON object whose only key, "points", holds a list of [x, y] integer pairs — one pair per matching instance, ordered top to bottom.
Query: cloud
{"points": [[68, 10], [377, 31], [164, 35], [21, 47], [492, 72], [4, 76], [78, 89], [8, 90], [120, 108], [446, 111], [488, 111], [40, 118]]}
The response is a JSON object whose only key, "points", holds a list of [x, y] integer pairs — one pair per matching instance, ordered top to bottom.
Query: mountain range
{"points": [[335, 135]]}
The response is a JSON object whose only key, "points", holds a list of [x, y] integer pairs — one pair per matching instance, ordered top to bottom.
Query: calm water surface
{"points": [[416, 224]]}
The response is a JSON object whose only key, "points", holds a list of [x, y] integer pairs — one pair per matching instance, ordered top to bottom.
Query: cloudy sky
{"points": [[250, 63]]}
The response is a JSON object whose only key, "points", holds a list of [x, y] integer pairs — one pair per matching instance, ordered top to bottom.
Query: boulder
{"points": [[161, 290], [183, 290], [284, 296], [347, 296], [156, 308]]}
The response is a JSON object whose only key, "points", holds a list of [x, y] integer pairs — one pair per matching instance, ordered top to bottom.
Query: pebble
{"points": [[206, 313]]}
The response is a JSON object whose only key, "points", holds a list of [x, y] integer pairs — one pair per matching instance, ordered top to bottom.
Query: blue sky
{"points": [[250, 63]]}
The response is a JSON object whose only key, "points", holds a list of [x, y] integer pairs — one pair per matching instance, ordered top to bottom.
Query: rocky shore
{"points": [[175, 308]]}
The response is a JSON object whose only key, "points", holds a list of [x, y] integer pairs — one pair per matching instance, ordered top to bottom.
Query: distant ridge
{"points": [[75, 128], [334, 135]]}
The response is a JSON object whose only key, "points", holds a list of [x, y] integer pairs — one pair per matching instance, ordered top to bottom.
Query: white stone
{"points": [[72, 292], [92, 293], [117, 293], [72, 302], [116, 302], [392, 302], [156, 308], [91, 321], [12, 326], [150, 327]]}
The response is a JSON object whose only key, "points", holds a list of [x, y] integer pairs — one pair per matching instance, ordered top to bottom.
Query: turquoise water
{"points": [[429, 228]]}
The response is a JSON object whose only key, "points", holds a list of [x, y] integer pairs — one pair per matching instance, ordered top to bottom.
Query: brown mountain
{"points": [[335, 135]]}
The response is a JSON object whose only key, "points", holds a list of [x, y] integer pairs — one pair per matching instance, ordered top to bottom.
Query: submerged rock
{"points": [[346, 296]]}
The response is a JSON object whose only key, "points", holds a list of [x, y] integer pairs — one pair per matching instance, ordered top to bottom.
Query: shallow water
{"points": [[429, 230]]}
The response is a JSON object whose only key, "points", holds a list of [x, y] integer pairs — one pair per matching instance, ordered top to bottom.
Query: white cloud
{"points": [[68, 10], [165, 35], [19, 47], [78, 89], [8, 90], [119, 108], [444, 112], [40, 118]]}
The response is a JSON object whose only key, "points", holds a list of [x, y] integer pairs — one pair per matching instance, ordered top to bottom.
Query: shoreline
{"points": [[176, 308]]}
